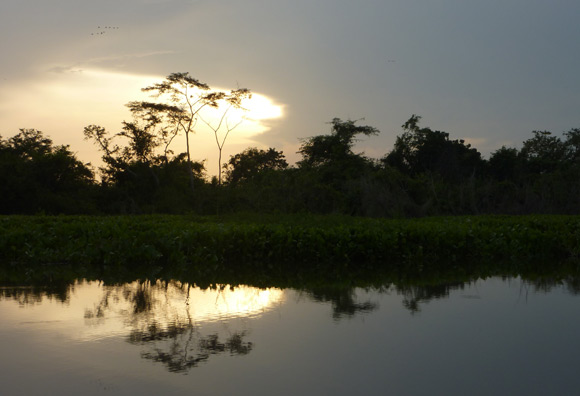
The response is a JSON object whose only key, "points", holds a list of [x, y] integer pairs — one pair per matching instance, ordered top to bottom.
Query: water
{"points": [[495, 336]]}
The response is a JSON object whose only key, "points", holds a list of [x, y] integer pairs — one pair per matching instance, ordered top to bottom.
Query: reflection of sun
{"points": [[240, 301], [168, 303]]}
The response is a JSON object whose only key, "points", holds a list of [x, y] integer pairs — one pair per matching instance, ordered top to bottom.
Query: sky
{"points": [[489, 72]]}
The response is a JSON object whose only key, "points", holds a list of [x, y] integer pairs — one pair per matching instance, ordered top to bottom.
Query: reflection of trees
{"points": [[546, 284], [573, 285], [138, 294], [30, 295], [414, 295], [141, 297], [342, 300], [158, 316], [170, 335], [181, 347]]}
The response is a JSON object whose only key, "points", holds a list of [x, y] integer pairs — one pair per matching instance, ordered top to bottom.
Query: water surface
{"points": [[494, 336]]}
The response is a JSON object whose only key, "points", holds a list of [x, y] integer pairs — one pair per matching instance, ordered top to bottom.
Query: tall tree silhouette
{"points": [[180, 100], [232, 101]]}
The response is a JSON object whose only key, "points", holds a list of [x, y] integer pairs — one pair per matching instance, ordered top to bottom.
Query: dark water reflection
{"points": [[342, 300], [447, 338], [181, 347]]}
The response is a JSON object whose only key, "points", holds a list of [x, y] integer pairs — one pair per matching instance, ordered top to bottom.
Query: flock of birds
{"points": [[103, 30]]}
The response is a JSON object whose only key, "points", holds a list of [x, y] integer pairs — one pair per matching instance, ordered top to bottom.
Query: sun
{"points": [[260, 107], [247, 120]]}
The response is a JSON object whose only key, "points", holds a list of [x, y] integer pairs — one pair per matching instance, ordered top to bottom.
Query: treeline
{"points": [[426, 173]]}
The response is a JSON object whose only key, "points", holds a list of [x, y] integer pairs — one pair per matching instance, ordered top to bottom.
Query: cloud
{"points": [[128, 56], [103, 60], [64, 69]]}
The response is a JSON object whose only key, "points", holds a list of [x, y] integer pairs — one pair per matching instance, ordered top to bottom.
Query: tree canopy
{"points": [[333, 148], [423, 150], [252, 162], [426, 172], [38, 176]]}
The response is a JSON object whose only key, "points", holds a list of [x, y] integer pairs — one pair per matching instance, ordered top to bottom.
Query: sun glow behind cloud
{"points": [[65, 100], [261, 108], [247, 120]]}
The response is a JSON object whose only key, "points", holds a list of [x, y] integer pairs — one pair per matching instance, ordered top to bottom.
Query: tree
{"points": [[182, 98], [232, 101], [179, 105], [150, 128], [572, 144], [140, 148], [334, 148], [422, 150], [543, 153], [251, 162], [504, 164], [330, 173], [39, 176], [136, 178]]}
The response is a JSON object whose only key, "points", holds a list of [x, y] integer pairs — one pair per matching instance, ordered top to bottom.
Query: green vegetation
{"points": [[264, 249]]}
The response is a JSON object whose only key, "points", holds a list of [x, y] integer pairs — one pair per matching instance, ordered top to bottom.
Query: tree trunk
{"points": [[190, 167]]}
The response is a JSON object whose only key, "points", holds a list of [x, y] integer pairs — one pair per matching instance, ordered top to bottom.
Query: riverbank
{"points": [[286, 244]]}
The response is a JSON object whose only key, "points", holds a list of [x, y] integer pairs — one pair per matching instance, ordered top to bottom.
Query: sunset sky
{"points": [[488, 71]]}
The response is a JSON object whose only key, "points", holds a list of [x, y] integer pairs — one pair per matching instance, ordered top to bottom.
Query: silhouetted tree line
{"points": [[426, 173]]}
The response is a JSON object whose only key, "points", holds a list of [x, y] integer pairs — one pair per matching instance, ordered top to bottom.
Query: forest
{"points": [[426, 173]]}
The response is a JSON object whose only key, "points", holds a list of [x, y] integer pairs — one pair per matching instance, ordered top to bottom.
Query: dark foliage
{"points": [[424, 151], [252, 163], [426, 173], [38, 176]]}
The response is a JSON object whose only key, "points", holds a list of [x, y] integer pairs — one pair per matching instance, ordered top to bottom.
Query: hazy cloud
{"points": [[64, 69], [482, 70]]}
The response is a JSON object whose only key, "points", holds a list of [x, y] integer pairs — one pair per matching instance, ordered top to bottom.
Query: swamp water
{"points": [[486, 337]]}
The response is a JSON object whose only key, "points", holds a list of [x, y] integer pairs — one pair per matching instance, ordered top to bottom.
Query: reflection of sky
{"points": [[78, 319], [489, 337]]}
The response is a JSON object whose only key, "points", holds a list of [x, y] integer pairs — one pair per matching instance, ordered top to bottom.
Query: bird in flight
{"points": [[102, 30]]}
